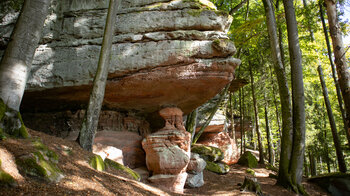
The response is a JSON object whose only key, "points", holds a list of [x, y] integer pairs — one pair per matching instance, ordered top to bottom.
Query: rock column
{"points": [[168, 152]]}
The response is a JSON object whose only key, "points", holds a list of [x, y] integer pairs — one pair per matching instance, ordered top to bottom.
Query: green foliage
{"points": [[208, 153], [248, 160], [97, 163], [114, 165], [219, 168]]}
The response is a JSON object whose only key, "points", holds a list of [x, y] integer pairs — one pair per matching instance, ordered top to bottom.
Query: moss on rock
{"points": [[12, 123], [208, 153], [248, 160], [42, 163], [97, 163], [38, 165], [114, 165], [219, 168], [250, 171], [6, 180], [251, 184]]}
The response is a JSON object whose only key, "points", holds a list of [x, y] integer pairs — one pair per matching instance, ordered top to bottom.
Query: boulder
{"points": [[223, 141], [128, 142], [109, 152], [208, 153], [248, 160], [97, 163], [196, 164], [117, 166], [219, 168], [143, 172], [6, 180], [195, 180], [334, 183], [252, 184]]}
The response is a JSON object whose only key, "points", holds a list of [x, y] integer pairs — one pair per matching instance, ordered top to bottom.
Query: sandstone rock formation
{"points": [[165, 52], [222, 141], [129, 143], [168, 152]]}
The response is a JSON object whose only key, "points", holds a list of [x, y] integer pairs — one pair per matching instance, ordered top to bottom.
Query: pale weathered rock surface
{"points": [[165, 52], [222, 141], [128, 142], [109, 152], [168, 152], [195, 171]]}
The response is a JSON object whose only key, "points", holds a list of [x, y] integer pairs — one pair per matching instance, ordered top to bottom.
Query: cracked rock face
{"points": [[164, 53]]}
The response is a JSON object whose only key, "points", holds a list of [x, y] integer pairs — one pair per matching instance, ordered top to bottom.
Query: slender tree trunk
{"points": [[280, 37], [16, 62], [223, 93], [339, 96], [286, 107], [232, 119], [241, 119], [90, 122], [191, 123], [269, 136], [261, 150], [327, 151], [341, 161], [312, 164], [296, 167], [306, 168]]}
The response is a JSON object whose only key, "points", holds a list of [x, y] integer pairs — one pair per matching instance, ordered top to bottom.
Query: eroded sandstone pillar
{"points": [[168, 152]]}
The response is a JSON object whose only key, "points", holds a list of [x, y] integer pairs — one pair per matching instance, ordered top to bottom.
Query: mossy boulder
{"points": [[11, 122], [208, 153], [248, 160], [97, 163], [41, 164], [115, 165], [219, 168], [250, 171], [6, 180]]}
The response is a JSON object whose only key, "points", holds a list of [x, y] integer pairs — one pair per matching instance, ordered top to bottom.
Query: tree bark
{"points": [[17, 59], [16, 62], [338, 89], [223, 93], [298, 99], [286, 107], [232, 119], [90, 122], [191, 123], [269, 136], [261, 150], [340, 156], [312, 164]]}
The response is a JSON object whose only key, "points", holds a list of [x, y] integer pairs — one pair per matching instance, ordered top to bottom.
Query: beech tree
{"points": [[339, 55], [16, 62], [91, 117]]}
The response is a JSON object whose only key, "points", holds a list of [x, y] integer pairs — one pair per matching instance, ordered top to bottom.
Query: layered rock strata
{"points": [[164, 53], [168, 152]]}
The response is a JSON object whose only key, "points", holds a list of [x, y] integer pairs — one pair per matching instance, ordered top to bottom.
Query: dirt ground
{"points": [[81, 179]]}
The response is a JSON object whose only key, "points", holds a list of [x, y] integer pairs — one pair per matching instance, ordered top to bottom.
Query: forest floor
{"points": [[81, 179]]}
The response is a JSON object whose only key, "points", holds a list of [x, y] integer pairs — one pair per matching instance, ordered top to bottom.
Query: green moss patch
{"points": [[12, 123], [208, 153], [248, 160], [42, 163], [97, 163], [114, 165], [219, 168], [250, 171], [6, 180], [251, 184]]}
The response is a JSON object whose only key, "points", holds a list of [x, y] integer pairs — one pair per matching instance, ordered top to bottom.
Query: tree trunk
{"points": [[16, 62], [223, 93], [339, 96], [298, 99], [286, 107], [91, 117], [241, 119], [191, 123], [233, 131], [269, 136], [261, 150], [327, 151], [340, 157], [312, 164]]}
